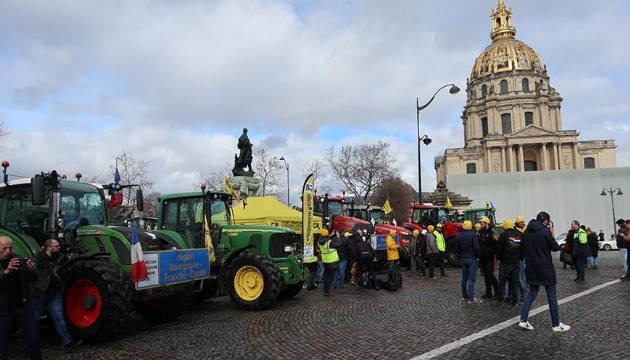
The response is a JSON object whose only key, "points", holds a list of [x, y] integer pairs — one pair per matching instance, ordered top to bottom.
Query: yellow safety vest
{"points": [[581, 236], [439, 241], [329, 255]]}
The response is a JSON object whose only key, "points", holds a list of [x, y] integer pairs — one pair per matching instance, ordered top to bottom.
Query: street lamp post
{"points": [[453, 90], [286, 165], [612, 192]]}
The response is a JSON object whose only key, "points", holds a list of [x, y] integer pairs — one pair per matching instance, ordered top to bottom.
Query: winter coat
{"points": [[431, 243], [488, 244], [537, 244], [580, 244], [593, 244], [468, 245], [509, 247], [392, 249], [51, 273], [26, 278]]}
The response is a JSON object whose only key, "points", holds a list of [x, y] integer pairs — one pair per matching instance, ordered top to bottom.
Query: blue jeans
{"points": [[417, 265], [320, 271], [508, 273], [329, 274], [340, 275], [469, 277], [522, 281], [552, 300], [55, 309], [25, 319]]}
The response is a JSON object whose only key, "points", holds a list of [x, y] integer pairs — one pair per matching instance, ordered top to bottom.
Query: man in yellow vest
{"points": [[441, 246], [581, 249], [330, 258]]}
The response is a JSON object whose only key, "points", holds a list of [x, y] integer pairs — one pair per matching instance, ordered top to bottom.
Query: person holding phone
{"points": [[16, 277]]}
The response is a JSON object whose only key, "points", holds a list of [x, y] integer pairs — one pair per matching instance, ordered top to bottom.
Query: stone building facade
{"points": [[512, 119]]}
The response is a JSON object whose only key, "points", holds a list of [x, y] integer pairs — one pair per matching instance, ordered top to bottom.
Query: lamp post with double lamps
{"points": [[425, 139], [286, 165], [612, 192]]}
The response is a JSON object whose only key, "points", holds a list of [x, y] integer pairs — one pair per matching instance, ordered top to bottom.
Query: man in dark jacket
{"points": [[488, 239], [537, 243], [417, 248], [469, 253], [509, 254], [365, 255], [16, 277], [49, 290]]}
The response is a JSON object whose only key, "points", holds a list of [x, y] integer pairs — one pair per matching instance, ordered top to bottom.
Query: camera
{"points": [[23, 263]]}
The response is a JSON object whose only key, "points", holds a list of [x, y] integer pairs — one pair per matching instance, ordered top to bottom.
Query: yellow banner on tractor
{"points": [[308, 207]]}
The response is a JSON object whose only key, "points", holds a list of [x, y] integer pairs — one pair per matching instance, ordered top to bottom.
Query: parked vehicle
{"points": [[608, 245]]}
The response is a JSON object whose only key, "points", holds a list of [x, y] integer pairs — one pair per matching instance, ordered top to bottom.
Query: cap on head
{"points": [[542, 216], [520, 218], [485, 219], [620, 221], [508, 224], [467, 225], [439, 226], [477, 226], [430, 228], [424, 231], [324, 232], [392, 232], [416, 232], [346, 234]]}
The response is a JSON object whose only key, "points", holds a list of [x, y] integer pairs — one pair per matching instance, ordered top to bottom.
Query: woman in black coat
{"points": [[593, 244]]}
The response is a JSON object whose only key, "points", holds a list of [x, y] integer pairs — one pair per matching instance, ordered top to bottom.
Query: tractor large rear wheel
{"points": [[253, 281], [98, 299]]}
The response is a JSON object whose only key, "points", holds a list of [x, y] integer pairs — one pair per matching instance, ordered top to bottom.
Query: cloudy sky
{"points": [[174, 82]]}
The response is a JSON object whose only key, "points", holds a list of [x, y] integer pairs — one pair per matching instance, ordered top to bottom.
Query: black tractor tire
{"points": [[452, 253], [253, 281], [291, 290], [98, 299], [168, 308]]}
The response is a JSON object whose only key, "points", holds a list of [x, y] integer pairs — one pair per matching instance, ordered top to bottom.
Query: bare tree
{"points": [[266, 168], [362, 168], [132, 171], [320, 172], [215, 179], [400, 197], [151, 201]]}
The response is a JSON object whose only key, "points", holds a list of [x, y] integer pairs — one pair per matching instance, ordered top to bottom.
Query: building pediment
{"points": [[532, 131]]}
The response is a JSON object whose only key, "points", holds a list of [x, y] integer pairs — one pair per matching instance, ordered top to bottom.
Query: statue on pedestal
{"points": [[244, 159]]}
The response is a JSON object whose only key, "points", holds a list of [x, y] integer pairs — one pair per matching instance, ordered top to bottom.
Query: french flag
{"points": [[138, 266]]}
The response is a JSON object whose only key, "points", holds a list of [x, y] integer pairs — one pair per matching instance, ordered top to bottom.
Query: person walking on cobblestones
{"points": [[488, 239], [538, 242], [593, 244], [622, 245], [441, 246], [417, 249], [432, 250], [580, 250], [469, 252], [509, 255], [330, 258], [522, 281]]}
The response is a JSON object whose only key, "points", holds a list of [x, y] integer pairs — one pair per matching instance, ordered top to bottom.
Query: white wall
{"points": [[564, 194]]}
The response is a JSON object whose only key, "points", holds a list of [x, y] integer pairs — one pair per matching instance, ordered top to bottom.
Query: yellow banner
{"points": [[308, 206], [208, 240]]}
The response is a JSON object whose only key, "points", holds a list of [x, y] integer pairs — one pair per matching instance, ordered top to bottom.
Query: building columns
{"points": [[556, 150], [544, 156], [503, 160], [521, 160], [576, 163]]}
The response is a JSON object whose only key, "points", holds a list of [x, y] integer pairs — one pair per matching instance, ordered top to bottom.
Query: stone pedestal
{"points": [[245, 185]]}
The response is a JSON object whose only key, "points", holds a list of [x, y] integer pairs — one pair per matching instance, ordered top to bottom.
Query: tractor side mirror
{"points": [[38, 189], [139, 200]]}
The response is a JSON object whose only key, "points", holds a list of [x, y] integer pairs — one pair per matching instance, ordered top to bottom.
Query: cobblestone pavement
{"points": [[356, 323]]}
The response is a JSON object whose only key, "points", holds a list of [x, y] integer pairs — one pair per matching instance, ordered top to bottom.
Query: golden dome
{"points": [[505, 53]]}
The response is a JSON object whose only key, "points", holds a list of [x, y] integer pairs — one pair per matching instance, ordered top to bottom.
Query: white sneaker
{"points": [[527, 326], [561, 327]]}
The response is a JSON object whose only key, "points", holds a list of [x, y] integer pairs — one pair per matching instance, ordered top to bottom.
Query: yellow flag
{"points": [[448, 203], [386, 207], [208, 240]]}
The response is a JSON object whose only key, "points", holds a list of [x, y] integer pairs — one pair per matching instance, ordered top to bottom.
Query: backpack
{"points": [[393, 281]]}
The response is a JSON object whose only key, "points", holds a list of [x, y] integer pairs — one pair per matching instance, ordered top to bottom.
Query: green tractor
{"points": [[253, 264], [99, 296]]}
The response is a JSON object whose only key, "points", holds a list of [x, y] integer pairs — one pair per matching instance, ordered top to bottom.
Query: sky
{"points": [[174, 82]]}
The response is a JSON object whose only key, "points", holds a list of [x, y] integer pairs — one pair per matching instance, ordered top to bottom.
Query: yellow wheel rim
{"points": [[249, 283]]}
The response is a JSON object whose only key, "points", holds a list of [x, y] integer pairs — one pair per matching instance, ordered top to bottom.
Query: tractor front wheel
{"points": [[253, 281], [98, 299]]}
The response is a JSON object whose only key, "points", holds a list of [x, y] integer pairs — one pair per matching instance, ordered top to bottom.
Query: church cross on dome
{"points": [[502, 23]]}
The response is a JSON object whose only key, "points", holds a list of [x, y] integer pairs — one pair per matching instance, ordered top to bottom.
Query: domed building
{"points": [[512, 119]]}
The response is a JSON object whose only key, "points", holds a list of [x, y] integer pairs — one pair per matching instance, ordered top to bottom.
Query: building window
{"points": [[525, 83], [504, 86], [484, 91], [529, 118], [506, 123], [484, 127], [589, 163], [530, 165], [471, 168]]}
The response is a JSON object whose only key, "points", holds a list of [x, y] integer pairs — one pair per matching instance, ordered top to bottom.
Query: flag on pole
{"points": [[116, 176], [448, 203], [308, 208], [387, 208], [138, 266]]}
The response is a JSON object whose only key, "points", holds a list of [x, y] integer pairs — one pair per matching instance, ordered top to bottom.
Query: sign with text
{"points": [[177, 266]]}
